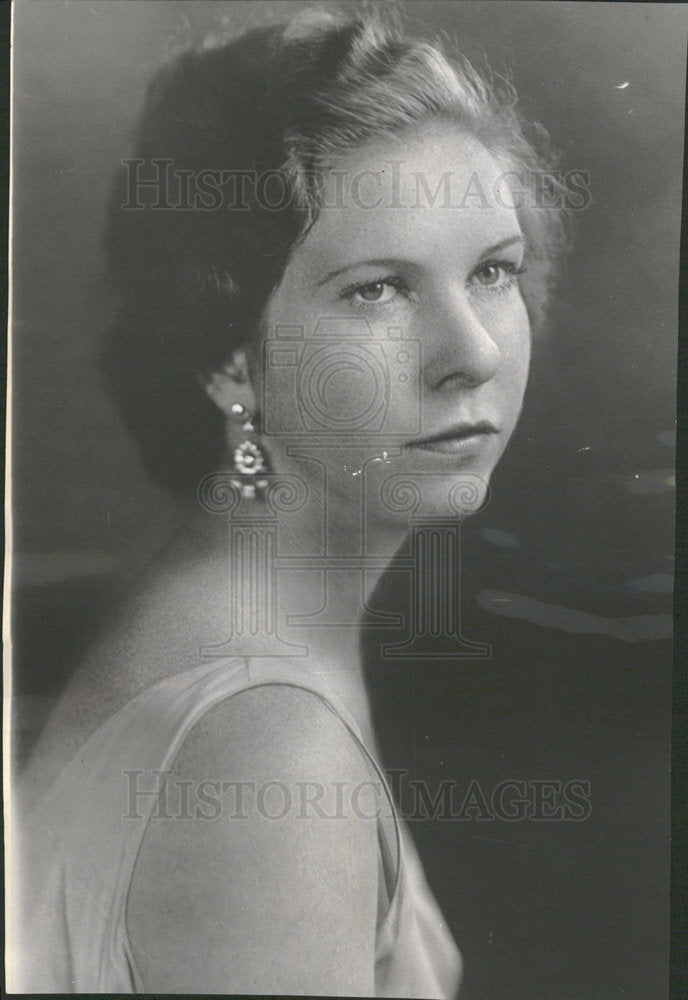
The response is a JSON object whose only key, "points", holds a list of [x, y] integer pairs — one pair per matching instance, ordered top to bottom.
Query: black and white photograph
{"points": [[341, 497]]}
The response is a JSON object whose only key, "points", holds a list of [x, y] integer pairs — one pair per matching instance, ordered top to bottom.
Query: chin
{"points": [[407, 493]]}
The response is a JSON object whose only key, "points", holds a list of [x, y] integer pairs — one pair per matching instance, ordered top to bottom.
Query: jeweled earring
{"points": [[249, 460]]}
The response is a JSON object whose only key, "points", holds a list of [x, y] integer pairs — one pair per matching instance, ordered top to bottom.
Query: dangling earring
{"points": [[249, 460]]}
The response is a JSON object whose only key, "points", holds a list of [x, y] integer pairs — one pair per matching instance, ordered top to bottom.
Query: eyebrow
{"points": [[373, 262], [396, 262]]}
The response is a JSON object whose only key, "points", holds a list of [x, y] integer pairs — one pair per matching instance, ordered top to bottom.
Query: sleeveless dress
{"points": [[74, 855]]}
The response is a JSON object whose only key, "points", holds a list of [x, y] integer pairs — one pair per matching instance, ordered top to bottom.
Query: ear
{"points": [[232, 384]]}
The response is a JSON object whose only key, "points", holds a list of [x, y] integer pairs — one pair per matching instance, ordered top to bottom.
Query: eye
{"points": [[488, 274], [496, 275], [377, 291], [375, 294]]}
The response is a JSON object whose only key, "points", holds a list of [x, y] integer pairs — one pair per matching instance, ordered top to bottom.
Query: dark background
{"points": [[581, 514]]}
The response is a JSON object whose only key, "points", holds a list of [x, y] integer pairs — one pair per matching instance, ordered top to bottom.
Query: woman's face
{"points": [[398, 341]]}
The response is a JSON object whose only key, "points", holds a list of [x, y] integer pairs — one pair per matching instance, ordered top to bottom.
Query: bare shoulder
{"points": [[156, 632], [273, 724], [263, 871]]}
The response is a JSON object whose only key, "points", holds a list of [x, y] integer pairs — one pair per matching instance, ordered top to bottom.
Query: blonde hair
{"points": [[285, 100]]}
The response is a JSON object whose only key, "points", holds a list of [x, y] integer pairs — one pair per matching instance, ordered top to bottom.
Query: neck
{"points": [[329, 553]]}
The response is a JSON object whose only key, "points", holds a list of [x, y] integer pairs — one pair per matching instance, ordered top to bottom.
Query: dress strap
{"points": [[391, 845]]}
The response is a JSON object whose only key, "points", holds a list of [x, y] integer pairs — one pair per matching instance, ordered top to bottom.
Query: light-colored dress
{"points": [[75, 853]]}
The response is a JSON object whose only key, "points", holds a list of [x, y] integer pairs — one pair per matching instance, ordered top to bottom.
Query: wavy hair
{"points": [[279, 103]]}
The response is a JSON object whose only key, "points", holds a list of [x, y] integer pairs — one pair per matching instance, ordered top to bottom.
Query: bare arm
{"points": [[278, 893]]}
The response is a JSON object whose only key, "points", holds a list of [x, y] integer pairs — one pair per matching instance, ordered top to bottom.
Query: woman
{"points": [[329, 263]]}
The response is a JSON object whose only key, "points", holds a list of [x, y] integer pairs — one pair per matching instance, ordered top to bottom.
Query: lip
{"points": [[457, 438]]}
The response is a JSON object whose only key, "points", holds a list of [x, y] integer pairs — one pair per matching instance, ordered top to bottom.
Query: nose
{"points": [[458, 350]]}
